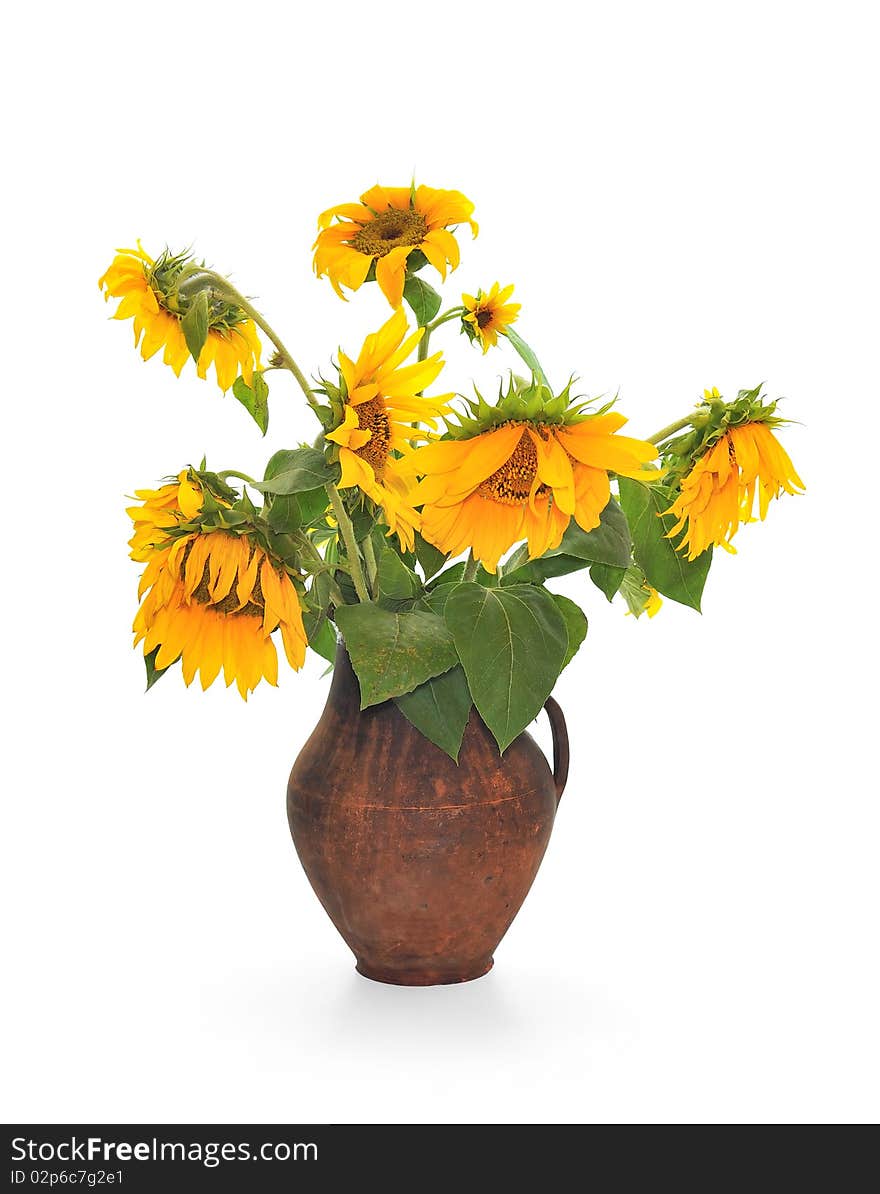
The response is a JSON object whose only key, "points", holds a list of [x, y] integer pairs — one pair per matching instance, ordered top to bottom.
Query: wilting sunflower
{"points": [[383, 230], [150, 295], [489, 315], [383, 399], [525, 478], [718, 493], [211, 599]]}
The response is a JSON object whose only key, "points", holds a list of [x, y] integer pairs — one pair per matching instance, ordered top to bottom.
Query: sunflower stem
{"points": [[228, 290], [453, 313], [665, 432], [231, 472], [351, 547], [372, 567], [470, 568], [335, 593]]}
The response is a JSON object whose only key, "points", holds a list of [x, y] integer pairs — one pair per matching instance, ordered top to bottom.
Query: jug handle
{"points": [[560, 746]]}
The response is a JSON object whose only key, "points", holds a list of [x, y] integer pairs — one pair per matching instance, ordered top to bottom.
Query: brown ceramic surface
{"points": [[421, 864]]}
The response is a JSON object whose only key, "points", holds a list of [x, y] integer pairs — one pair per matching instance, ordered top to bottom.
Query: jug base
{"points": [[424, 977]]}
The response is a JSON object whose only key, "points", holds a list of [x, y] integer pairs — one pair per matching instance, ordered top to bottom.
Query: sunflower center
{"points": [[389, 230], [484, 318], [373, 417], [512, 483], [229, 604]]}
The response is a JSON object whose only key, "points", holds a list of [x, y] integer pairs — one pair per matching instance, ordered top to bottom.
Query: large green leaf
{"points": [[424, 299], [255, 399], [297, 471], [608, 544], [668, 570], [575, 623], [512, 643], [393, 653], [440, 709]]}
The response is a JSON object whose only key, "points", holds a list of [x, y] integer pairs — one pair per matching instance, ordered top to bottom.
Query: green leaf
{"points": [[424, 299], [194, 324], [527, 355], [254, 399], [297, 471], [313, 503], [289, 511], [284, 514], [363, 519], [608, 544], [430, 557], [668, 570], [535, 572], [453, 576], [607, 577], [396, 582], [634, 592], [435, 600], [575, 623], [321, 634], [512, 643], [393, 653], [154, 673], [440, 709]]}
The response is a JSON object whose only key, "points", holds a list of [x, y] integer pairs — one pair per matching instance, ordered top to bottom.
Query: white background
{"points": [[685, 195]]}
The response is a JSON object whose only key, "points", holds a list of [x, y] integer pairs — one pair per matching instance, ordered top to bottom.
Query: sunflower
{"points": [[383, 230], [150, 296], [489, 315], [383, 399], [524, 479], [718, 493], [211, 599]]}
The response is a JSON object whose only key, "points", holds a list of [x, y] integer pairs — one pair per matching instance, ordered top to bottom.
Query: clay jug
{"points": [[421, 863]]}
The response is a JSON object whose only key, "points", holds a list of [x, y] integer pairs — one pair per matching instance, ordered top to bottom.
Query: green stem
{"points": [[228, 290], [453, 313], [665, 433], [231, 472], [351, 547], [372, 567], [470, 568], [335, 593]]}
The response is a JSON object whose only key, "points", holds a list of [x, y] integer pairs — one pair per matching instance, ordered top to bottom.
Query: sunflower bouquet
{"points": [[420, 528]]}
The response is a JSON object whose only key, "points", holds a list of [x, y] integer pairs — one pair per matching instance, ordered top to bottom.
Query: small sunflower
{"points": [[383, 230], [150, 295], [489, 315], [382, 400], [524, 478], [211, 599]]}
